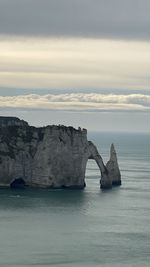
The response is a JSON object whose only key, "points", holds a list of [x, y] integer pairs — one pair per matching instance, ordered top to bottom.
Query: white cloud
{"points": [[79, 102]]}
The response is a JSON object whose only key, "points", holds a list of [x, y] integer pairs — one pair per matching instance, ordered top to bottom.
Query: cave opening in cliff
{"points": [[92, 174], [18, 183]]}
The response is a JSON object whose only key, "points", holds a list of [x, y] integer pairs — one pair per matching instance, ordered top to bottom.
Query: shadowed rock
{"points": [[11, 121], [113, 168], [18, 183]]}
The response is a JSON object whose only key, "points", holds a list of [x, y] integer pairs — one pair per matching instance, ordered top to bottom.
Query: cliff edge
{"points": [[51, 156]]}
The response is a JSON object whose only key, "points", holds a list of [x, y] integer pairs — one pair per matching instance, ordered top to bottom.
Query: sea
{"points": [[83, 228]]}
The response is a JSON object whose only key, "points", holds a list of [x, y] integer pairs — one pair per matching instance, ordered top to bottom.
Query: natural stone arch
{"points": [[110, 174], [105, 180]]}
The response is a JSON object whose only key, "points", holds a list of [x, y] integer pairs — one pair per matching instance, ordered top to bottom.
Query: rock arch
{"points": [[110, 174], [105, 181]]}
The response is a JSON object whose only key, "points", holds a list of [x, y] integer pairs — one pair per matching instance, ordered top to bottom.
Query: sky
{"points": [[82, 63]]}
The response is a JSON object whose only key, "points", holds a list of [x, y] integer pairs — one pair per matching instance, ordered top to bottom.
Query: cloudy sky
{"points": [[77, 62]]}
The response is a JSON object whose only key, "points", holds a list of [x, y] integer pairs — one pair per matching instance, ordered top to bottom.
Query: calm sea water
{"points": [[83, 228]]}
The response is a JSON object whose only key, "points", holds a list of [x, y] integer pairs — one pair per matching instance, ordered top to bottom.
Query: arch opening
{"points": [[92, 173]]}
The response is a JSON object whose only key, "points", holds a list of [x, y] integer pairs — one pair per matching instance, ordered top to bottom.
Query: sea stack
{"points": [[50, 157], [113, 168]]}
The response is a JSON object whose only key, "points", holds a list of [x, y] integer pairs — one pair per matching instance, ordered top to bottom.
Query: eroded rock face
{"points": [[52, 156], [113, 168]]}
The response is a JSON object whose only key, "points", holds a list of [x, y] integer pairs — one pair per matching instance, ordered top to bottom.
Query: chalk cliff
{"points": [[51, 156]]}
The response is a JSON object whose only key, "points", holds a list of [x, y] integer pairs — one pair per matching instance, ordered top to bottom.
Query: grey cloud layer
{"points": [[99, 18], [79, 102]]}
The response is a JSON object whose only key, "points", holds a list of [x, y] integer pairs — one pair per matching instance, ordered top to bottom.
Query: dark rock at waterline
{"points": [[18, 183]]}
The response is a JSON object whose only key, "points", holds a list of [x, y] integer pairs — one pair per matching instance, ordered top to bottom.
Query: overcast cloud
{"points": [[96, 18]]}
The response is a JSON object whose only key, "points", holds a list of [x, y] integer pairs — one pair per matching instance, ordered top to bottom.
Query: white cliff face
{"points": [[52, 156], [58, 161], [113, 168]]}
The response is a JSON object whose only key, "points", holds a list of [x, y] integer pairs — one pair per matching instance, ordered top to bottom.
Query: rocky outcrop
{"points": [[51, 156], [113, 168]]}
